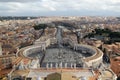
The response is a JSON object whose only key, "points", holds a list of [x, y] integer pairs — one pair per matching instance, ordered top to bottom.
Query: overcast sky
{"points": [[59, 7]]}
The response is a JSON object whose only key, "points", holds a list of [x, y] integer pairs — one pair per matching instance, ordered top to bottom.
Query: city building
{"points": [[0, 49]]}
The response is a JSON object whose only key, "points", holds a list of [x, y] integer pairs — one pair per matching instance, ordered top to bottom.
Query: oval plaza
{"points": [[62, 52]]}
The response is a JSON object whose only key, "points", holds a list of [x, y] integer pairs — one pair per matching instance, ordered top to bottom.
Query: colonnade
{"points": [[60, 65]]}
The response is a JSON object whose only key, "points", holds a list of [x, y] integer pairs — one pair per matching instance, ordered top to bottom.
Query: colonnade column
{"points": [[47, 65], [51, 65], [56, 65], [65, 65], [75, 65]]}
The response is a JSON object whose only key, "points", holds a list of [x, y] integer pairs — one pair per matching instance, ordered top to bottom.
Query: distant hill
{"points": [[16, 18]]}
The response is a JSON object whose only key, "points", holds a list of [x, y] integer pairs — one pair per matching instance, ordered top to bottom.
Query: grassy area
{"points": [[40, 26], [105, 33], [54, 76]]}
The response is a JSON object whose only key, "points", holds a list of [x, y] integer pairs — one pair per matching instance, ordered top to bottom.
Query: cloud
{"points": [[18, 0], [39, 7], [49, 7]]}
